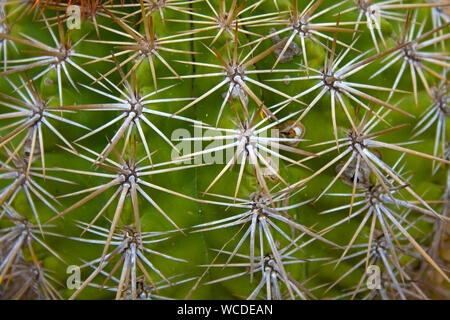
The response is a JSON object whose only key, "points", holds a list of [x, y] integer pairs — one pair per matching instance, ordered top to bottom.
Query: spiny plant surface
{"points": [[212, 149]]}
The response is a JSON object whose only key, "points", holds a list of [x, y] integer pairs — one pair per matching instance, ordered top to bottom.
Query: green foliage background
{"points": [[196, 247]]}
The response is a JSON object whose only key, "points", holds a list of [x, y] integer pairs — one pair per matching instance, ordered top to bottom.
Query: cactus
{"points": [[212, 149]]}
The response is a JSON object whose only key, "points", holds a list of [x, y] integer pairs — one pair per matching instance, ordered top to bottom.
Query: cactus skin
{"points": [[157, 198]]}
